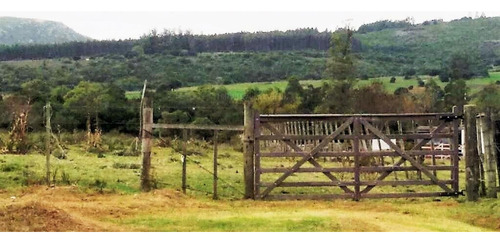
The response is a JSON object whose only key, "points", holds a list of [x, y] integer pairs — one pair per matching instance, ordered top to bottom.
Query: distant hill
{"points": [[33, 31], [425, 47], [383, 48]]}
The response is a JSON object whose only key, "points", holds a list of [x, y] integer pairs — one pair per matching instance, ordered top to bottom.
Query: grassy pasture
{"points": [[237, 91], [102, 194]]}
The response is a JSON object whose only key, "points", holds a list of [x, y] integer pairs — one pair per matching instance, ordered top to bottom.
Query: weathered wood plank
{"points": [[200, 127], [362, 153], [406, 156], [309, 157], [351, 169], [354, 183], [309, 197]]}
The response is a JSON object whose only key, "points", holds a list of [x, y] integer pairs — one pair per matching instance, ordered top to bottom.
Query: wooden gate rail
{"points": [[363, 128]]}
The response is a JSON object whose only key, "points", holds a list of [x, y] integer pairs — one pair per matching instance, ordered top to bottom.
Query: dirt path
{"points": [[68, 209]]}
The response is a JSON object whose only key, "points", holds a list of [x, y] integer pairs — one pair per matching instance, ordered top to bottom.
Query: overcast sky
{"points": [[131, 19]]}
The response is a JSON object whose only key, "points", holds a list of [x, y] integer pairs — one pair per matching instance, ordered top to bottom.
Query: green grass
{"points": [[237, 91], [166, 211]]}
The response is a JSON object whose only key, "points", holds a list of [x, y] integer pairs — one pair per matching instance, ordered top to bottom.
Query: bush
{"points": [[444, 77], [393, 80], [497, 82], [421, 83], [410, 87], [401, 90], [118, 165], [99, 185]]}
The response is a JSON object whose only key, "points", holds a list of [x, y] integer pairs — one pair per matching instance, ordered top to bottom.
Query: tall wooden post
{"points": [[457, 111], [147, 124], [48, 135], [356, 141], [248, 150], [184, 159], [472, 161], [490, 163], [215, 197]]}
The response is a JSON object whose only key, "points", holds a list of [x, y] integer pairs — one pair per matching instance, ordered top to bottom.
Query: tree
{"points": [[341, 64], [459, 67], [293, 91], [455, 94], [337, 98], [84, 99], [488, 99], [271, 102]]}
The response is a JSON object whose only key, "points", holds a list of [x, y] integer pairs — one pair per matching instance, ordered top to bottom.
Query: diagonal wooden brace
{"points": [[404, 155], [307, 157], [311, 160], [402, 160]]}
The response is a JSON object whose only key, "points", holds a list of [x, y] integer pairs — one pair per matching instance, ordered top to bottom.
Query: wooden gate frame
{"points": [[357, 120]]}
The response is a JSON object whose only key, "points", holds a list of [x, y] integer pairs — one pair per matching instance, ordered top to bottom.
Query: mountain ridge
{"points": [[22, 31]]}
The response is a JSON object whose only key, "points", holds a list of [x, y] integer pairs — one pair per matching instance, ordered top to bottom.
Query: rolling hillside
{"points": [[33, 31], [191, 60]]}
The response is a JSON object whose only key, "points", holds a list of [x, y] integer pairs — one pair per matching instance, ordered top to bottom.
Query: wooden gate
{"points": [[355, 156]]}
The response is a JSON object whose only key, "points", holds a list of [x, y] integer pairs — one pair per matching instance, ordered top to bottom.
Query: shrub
{"points": [[444, 77], [393, 80], [421, 83], [401, 90], [65, 178], [99, 185]]}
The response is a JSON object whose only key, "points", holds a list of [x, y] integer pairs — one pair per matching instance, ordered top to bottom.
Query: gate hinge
{"points": [[451, 118]]}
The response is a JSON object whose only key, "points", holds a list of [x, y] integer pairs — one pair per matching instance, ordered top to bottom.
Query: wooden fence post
{"points": [[147, 123], [48, 135], [356, 150], [248, 151], [184, 159], [490, 163], [472, 172], [215, 197]]}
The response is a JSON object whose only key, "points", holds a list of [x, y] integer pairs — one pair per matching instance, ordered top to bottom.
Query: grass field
{"points": [[237, 91], [102, 194]]}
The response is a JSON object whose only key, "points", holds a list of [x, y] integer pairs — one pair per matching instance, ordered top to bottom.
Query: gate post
{"points": [[147, 122], [356, 132], [248, 150], [471, 154], [490, 164]]}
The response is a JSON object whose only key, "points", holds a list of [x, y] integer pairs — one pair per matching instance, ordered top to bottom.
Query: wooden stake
{"points": [[48, 135], [146, 143], [248, 151], [471, 154], [490, 157], [184, 159], [215, 166]]}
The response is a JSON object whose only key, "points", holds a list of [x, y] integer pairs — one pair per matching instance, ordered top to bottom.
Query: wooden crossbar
{"points": [[405, 155], [309, 157]]}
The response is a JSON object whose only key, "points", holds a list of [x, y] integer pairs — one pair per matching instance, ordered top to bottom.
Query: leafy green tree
{"points": [[341, 64], [459, 67], [293, 91], [251, 93], [455, 94], [436, 95], [336, 98], [488, 99], [84, 100]]}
